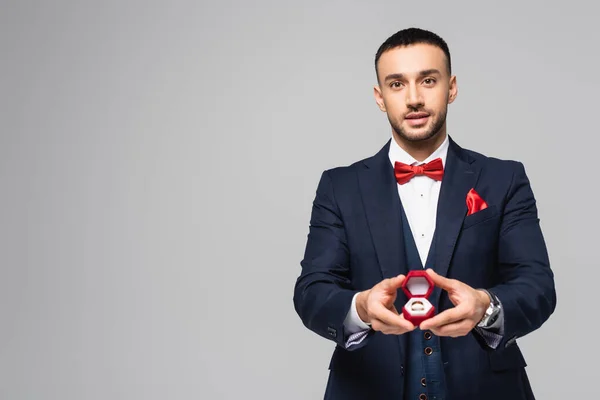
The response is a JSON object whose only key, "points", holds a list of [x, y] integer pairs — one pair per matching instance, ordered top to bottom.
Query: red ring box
{"points": [[418, 287]]}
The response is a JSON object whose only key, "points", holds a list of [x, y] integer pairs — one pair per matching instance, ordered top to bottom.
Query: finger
{"points": [[441, 281], [391, 285], [391, 318], [444, 318], [382, 326], [412, 326], [455, 329]]}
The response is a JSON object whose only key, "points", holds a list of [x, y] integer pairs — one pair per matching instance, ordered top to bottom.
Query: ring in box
{"points": [[418, 286]]}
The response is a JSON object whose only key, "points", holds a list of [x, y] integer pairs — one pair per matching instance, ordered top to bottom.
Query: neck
{"points": [[421, 149]]}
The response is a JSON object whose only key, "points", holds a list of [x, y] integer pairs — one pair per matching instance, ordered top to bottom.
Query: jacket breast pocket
{"points": [[481, 216]]}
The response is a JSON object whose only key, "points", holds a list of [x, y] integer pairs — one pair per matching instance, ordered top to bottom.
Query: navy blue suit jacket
{"points": [[355, 241]]}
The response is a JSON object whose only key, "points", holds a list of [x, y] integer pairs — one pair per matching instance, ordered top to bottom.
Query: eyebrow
{"points": [[426, 72]]}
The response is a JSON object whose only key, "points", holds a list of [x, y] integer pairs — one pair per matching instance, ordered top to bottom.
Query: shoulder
{"points": [[493, 165], [347, 173], [498, 175], [340, 179]]}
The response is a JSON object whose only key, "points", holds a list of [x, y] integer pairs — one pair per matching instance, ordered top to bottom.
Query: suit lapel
{"points": [[460, 175], [379, 193]]}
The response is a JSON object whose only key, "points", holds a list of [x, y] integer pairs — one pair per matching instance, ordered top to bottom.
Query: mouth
{"points": [[418, 118]]}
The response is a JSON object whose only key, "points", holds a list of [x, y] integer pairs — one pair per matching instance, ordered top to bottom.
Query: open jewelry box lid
{"points": [[417, 284]]}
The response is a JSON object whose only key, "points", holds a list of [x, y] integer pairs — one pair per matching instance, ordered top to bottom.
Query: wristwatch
{"points": [[491, 314]]}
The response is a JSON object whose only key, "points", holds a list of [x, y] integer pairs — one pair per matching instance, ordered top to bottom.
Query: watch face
{"points": [[491, 315], [487, 317], [492, 319]]}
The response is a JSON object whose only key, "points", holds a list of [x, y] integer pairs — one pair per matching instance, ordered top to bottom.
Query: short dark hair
{"points": [[410, 36]]}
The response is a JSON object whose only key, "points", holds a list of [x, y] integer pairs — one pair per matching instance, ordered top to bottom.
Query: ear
{"points": [[452, 90], [379, 98]]}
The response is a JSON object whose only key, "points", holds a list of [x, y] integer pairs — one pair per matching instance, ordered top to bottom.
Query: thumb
{"points": [[441, 281]]}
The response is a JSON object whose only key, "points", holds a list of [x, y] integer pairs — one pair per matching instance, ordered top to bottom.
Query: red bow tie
{"points": [[433, 169]]}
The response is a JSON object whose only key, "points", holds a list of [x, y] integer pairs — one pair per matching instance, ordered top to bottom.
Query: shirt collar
{"points": [[397, 153]]}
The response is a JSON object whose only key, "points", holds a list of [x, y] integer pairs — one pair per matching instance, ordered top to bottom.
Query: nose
{"points": [[413, 97]]}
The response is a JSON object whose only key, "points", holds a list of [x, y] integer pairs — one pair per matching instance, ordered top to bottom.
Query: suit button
{"points": [[427, 335], [428, 350], [423, 382], [422, 396]]}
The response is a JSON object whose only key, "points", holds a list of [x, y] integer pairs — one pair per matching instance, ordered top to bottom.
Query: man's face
{"points": [[414, 90]]}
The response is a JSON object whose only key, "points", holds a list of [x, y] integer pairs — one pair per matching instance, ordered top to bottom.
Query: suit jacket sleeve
{"points": [[526, 287], [323, 291]]}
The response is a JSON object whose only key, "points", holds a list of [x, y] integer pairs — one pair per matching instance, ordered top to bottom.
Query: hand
{"points": [[470, 305], [376, 306]]}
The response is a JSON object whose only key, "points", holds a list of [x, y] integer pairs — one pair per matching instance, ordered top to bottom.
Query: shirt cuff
{"points": [[353, 323], [354, 327], [493, 334]]}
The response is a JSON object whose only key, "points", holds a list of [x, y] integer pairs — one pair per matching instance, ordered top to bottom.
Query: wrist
{"points": [[484, 301], [361, 309], [491, 312]]}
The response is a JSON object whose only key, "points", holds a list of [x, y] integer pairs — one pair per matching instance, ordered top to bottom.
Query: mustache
{"points": [[419, 111]]}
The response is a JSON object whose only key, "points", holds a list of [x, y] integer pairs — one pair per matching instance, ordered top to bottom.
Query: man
{"points": [[423, 202]]}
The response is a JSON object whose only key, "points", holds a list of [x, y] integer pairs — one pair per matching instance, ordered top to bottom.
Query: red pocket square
{"points": [[475, 202]]}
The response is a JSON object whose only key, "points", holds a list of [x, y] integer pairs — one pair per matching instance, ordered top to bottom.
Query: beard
{"points": [[434, 126]]}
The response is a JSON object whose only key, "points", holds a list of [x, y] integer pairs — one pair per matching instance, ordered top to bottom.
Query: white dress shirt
{"points": [[419, 198]]}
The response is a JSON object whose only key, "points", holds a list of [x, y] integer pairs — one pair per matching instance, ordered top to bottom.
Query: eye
{"points": [[429, 81], [396, 85]]}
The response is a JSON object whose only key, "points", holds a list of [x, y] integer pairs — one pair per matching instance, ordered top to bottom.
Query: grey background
{"points": [[158, 161]]}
